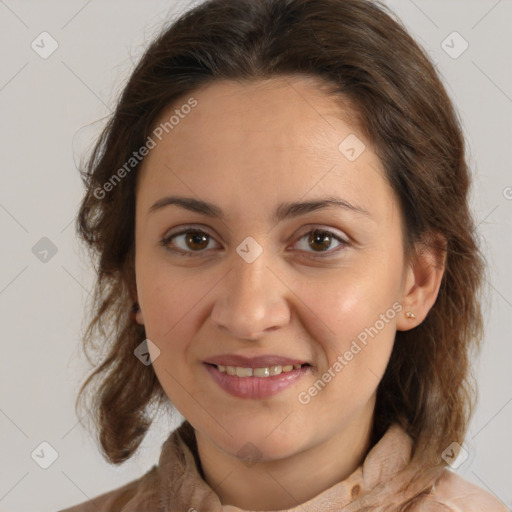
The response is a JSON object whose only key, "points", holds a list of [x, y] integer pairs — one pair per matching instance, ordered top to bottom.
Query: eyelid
{"points": [[185, 228], [308, 228], [182, 230], [343, 239]]}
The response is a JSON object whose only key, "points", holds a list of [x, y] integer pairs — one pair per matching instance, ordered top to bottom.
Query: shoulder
{"points": [[456, 494], [137, 495]]}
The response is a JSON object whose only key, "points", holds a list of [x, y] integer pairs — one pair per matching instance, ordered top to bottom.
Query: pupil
{"points": [[319, 237], [194, 238]]}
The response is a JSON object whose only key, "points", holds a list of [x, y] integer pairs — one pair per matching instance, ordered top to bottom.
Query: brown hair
{"points": [[367, 58]]}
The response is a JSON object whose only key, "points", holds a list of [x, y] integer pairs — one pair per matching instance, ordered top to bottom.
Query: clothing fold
{"points": [[384, 482]]}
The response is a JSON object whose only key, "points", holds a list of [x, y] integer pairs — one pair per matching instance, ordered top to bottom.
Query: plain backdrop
{"points": [[52, 109]]}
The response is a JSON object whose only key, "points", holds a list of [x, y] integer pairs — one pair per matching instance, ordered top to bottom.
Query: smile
{"points": [[267, 371], [256, 383]]}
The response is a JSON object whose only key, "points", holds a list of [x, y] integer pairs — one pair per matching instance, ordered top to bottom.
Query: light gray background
{"points": [[51, 110]]}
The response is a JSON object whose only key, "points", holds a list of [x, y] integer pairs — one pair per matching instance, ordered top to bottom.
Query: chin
{"points": [[258, 441]]}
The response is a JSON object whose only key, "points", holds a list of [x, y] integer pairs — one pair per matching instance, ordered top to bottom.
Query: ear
{"points": [[130, 280], [422, 280], [134, 298], [138, 314]]}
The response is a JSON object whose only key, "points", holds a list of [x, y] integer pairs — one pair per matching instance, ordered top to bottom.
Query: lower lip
{"points": [[256, 387]]}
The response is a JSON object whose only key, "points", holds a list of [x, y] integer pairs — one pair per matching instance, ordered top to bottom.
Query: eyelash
{"points": [[324, 254]]}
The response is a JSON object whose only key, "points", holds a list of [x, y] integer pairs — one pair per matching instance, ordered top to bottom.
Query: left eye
{"points": [[322, 239], [193, 241]]}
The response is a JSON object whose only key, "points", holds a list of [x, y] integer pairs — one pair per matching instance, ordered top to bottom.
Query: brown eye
{"points": [[196, 240], [320, 241], [187, 242]]}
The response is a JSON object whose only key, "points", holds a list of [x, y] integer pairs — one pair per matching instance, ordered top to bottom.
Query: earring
{"points": [[135, 307], [410, 314]]}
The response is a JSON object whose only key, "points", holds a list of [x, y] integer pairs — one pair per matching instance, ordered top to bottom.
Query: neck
{"points": [[286, 483]]}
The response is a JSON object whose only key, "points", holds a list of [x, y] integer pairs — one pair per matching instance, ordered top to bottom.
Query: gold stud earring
{"points": [[410, 314]]}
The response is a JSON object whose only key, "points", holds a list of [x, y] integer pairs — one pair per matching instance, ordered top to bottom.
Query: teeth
{"points": [[243, 372], [257, 372], [264, 372]]}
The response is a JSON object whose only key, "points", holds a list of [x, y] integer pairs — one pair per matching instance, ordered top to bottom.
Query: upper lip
{"points": [[262, 361]]}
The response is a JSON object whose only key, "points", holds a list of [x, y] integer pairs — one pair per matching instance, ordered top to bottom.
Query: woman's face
{"points": [[260, 282]]}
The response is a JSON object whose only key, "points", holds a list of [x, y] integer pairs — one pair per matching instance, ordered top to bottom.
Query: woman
{"points": [[279, 205]]}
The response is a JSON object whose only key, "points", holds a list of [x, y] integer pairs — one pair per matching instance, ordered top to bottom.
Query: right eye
{"points": [[187, 242]]}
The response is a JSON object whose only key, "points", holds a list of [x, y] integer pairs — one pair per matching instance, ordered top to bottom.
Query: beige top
{"points": [[176, 484]]}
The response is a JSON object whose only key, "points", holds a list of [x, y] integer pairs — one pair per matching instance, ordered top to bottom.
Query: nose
{"points": [[251, 301]]}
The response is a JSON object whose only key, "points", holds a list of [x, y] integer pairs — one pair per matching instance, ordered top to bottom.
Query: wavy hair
{"points": [[366, 57]]}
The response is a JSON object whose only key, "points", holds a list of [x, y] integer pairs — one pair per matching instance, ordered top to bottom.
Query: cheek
{"points": [[351, 304], [170, 305], [361, 318]]}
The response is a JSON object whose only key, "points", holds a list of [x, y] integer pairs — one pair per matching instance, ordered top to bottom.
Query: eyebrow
{"points": [[283, 211]]}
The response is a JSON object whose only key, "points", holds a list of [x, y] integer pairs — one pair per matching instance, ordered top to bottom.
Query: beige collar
{"points": [[381, 476]]}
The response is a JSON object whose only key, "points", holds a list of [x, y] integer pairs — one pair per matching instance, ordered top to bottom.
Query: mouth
{"points": [[261, 372], [258, 382]]}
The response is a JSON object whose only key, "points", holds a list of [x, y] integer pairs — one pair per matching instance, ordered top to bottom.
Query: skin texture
{"points": [[248, 148]]}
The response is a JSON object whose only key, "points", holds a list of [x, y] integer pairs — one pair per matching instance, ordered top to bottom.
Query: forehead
{"points": [[284, 113], [283, 133]]}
